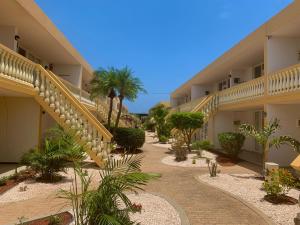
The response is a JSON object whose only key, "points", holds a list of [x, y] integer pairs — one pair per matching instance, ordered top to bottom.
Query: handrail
{"points": [[243, 91], [203, 101], [76, 102]]}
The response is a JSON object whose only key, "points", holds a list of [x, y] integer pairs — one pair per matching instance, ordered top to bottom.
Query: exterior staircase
{"points": [[56, 99], [208, 106]]}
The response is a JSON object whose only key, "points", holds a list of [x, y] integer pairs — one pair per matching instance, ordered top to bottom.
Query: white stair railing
{"points": [[58, 101]]}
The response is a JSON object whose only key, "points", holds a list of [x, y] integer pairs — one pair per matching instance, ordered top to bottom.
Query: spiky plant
{"points": [[265, 137], [108, 204]]}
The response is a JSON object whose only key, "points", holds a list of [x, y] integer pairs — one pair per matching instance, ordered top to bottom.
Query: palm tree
{"points": [[104, 84], [128, 88], [265, 137], [108, 204]]}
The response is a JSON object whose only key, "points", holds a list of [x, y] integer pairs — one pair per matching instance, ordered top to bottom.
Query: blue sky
{"points": [[165, 42]]}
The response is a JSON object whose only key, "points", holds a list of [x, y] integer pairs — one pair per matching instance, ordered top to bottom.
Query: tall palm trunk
{"points": [[112, 95], [120, 111], [110, 112]]}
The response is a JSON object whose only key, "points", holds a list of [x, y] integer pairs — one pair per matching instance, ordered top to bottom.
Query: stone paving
{"points": [[201, 203]]}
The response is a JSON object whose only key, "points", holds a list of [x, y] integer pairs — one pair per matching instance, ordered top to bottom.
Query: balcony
{"points": [[268, 88], [189, 106]]}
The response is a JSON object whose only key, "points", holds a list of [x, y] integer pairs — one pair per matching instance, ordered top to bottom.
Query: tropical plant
{"points": [[104, 84], [128, 87], [158, 115], [186, 123], [265, 137], [129, 138], [163, 139], [66, 140], [232, 143], [204, 145], [58, 149], [179, 151], [279, 182], [108, 204], [54, 220]]}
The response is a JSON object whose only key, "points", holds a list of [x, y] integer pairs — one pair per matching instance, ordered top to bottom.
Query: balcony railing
{"points": [[284, 81], [245, 91], [58, 101], [189, 106]]}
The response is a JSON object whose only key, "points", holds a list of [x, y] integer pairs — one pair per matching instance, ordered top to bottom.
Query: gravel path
{"points": [[200, 162], [248, 188]]}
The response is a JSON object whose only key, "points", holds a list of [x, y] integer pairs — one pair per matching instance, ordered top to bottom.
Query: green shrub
{"points": [[129, 138], [163, 139], [232, 143], [202, 145], [58, 149], [180, 154], [3, 180], [279, 183], [108, 203], [54, 220]]}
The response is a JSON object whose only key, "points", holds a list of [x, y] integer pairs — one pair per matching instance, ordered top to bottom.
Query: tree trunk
{"points": [[110, 112], [119, 112]]}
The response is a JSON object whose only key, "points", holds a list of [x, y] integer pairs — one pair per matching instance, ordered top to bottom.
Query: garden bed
{"points": [[199, 162], [15, 179], [30, 188], [249, 188], [155, 210], [65, 218]]}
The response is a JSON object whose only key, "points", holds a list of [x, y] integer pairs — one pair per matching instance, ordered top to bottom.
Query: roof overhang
{"points": [[39, 34], [249, 51]]}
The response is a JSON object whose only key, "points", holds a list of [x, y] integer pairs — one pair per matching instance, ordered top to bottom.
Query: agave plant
{"points": [[265, 137], [108, 204]]}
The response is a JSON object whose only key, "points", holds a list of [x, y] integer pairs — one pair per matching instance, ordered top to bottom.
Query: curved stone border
{"points": [[247, 204], [182, 215]]}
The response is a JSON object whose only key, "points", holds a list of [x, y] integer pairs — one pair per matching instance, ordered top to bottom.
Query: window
{"points": [[258, 70]]}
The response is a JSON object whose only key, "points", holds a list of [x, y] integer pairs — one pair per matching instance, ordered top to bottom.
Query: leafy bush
{"points": [[186, 123], [129, 138], [163, 139], [232, 143], [205, 145], [59, 148], [180, 154], [3, 180], [279, 183], [108, 204], [54, 220]]}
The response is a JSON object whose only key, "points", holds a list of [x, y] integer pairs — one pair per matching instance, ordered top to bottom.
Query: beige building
{"points": [[256, 80], [43, 81]]}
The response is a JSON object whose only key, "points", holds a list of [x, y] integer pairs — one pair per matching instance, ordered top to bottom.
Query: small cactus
{"points": [[212, 167]]}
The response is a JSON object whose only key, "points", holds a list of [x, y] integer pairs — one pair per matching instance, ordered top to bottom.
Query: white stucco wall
{"points": [[7, 36], [281, 52], [71, 73], [198, 91], [288, 116], [19, 119], [224, 122]]}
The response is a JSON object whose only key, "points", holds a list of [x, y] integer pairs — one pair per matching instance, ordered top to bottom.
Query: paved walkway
{"points": [[201, 203]]}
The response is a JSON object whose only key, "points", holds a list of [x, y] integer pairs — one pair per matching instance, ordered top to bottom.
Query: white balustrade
{"points": [[283, 81], [245, 91], [55, 95]]}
